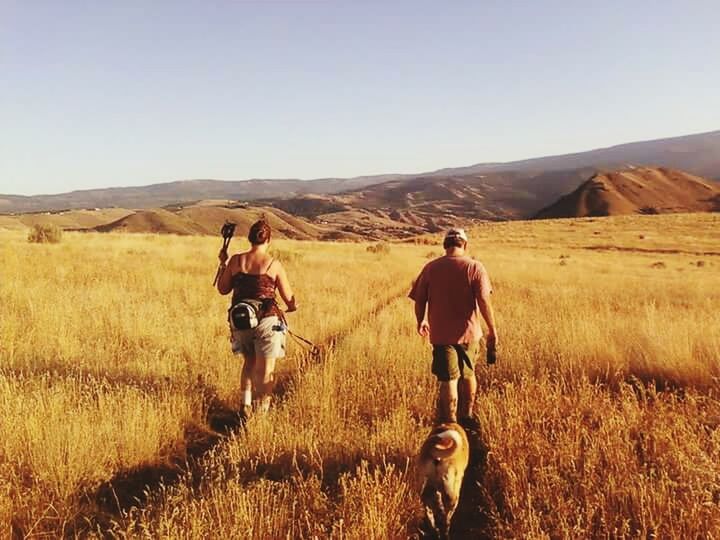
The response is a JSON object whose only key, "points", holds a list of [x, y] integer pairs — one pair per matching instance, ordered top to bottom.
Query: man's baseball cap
{"points": [[456, 233]]}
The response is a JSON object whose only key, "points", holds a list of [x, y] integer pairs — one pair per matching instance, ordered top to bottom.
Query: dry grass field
{"points": [[601, 418]]}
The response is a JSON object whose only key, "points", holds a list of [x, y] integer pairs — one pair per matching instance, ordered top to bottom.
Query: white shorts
{"points": [[266, 340]]}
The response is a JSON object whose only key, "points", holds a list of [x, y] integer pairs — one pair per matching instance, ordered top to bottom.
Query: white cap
{"points": [[456, 233]]}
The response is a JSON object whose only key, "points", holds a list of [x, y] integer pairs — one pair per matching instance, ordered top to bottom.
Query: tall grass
{"points": [[601, 418]]}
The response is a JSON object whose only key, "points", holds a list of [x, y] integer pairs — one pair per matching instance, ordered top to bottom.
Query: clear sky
{"points": [[132, 92]]}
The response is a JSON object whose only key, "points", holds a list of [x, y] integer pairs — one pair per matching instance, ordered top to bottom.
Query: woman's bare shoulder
{"points": [[237, 261], [275, 267]]}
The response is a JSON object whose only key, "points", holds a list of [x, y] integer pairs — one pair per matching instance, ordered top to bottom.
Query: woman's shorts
{"points": [[266, 340]]}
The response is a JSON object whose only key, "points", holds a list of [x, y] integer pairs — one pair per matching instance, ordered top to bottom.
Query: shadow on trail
{"points": [[329, 470], [134, 487], [482, 498]]}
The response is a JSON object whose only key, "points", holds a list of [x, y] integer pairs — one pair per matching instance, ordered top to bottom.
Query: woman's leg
{"points": [[269, 346], [264, 379], [246, 382]]}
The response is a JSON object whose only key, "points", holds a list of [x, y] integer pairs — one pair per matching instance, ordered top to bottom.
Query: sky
{"points": [[120, 93]]}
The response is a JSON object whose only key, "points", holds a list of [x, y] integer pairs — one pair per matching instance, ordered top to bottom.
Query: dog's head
{"points": [[444, 441]]}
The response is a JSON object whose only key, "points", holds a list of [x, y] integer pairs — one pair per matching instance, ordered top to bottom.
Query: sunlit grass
{"points": [[601, 416]]}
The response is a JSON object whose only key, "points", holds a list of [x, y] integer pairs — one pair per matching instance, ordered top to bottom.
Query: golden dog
{"points": [[444, 457]]}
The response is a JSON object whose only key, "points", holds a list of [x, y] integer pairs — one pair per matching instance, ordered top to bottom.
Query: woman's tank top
{"points": [[256, 287]]}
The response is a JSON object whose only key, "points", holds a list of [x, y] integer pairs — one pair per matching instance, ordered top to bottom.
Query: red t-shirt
{"points": [[451, 286]]}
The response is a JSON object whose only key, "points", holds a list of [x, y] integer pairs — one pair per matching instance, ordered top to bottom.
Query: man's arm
{"points": [[483, 290], [419, 295], [486, 310], [423, 328]]}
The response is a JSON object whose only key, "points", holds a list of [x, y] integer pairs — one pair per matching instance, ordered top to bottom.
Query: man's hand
{"points": [[223, 256], [423, 329], [492, 342]]}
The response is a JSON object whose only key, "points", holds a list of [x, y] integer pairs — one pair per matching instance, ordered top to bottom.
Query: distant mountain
{"points": [[698, 154], [637, 190], [182, 191], [483, 191], [406, 208]]}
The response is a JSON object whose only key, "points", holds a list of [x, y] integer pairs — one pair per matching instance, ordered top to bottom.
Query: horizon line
{"points": [[371, 175]]}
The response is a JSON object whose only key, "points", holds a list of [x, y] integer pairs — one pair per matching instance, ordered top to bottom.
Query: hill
{"points": [[506, 189], [637, 190], [404, 207], [207, 218], [83, 219]]}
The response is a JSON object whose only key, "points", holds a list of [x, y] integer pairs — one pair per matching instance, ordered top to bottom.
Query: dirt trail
{"points": [[135, 486]]}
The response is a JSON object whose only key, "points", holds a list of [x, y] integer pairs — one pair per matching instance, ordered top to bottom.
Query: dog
{"points": [[444, 456]]}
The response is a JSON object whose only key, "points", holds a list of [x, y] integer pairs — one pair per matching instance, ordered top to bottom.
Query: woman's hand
{"points": [[291, 305]]}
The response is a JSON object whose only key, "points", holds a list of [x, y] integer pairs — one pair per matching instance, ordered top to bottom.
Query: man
{"points": [[453, 291]]}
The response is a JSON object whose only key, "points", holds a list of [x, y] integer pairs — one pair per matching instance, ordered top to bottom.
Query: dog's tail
{"points": [[445, 443]]}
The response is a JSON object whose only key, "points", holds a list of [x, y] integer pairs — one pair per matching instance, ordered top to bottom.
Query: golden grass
{"points": [[602, 417]]}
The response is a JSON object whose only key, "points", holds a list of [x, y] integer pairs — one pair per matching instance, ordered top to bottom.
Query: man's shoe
{"points": [[470, 423]]}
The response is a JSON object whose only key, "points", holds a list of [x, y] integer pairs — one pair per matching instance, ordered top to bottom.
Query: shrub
{"points": [[45, 234], [381, 247], [286, 257]]}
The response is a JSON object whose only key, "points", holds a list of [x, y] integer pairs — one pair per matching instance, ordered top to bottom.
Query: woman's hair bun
{"points": [[259, 232]]}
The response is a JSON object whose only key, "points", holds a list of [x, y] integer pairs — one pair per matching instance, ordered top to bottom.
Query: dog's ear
{"points": [[443, 443]]}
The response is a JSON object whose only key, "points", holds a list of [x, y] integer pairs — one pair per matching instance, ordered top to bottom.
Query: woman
{"points": [[254, 276]]}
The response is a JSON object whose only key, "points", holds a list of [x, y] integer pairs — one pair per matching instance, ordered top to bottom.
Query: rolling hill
{"points": [[497, 190], [637, 190], [429, 203], [406, 208], [207, 217], [67, 219]]}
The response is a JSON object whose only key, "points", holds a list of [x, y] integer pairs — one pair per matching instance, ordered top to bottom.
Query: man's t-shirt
{"points": [[451, 287]]}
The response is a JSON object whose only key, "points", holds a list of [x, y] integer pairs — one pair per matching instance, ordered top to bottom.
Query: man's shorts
{"points": [[266, 340], [452, 362]]}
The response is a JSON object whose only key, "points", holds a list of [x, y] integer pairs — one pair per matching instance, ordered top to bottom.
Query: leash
{"points": [[305, 343]]}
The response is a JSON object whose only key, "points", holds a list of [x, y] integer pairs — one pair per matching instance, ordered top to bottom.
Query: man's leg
{"points": [[445, 368], [467, 388], [448, 401]]}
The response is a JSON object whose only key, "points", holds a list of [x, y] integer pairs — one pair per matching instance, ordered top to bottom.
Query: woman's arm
{"points": [[224, 284], [284, 287]]}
